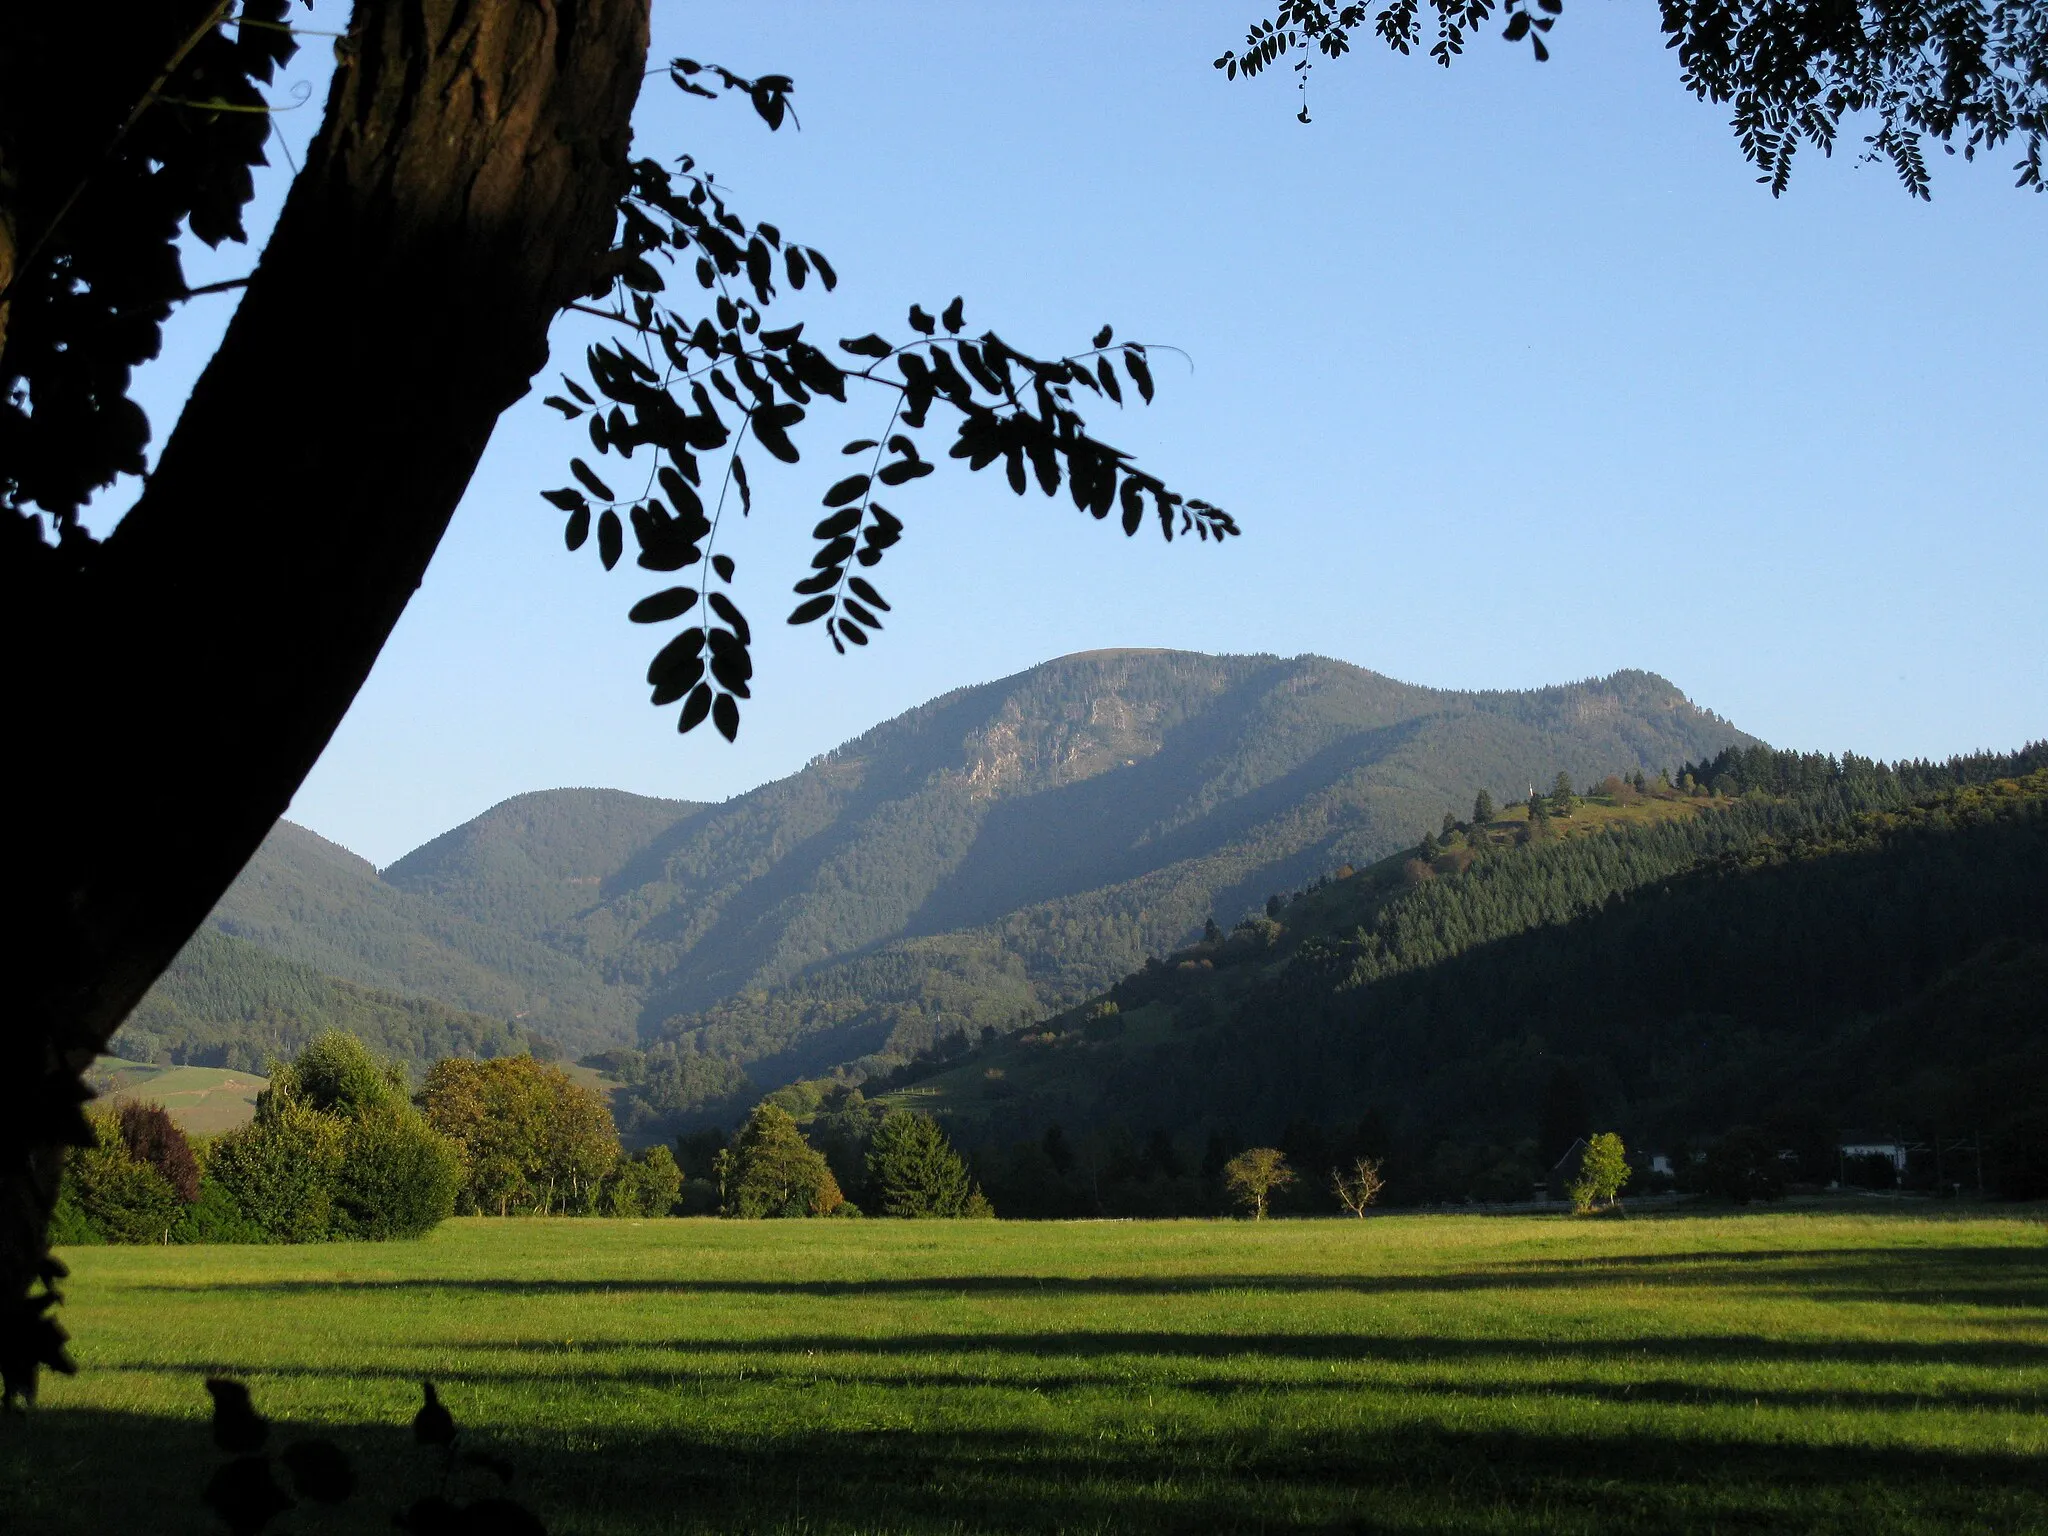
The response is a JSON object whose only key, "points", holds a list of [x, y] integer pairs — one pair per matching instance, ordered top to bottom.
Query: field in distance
{"points": [[204, 1101], [1863, 1374]]}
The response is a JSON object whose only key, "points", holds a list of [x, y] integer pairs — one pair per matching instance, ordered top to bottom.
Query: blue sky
{"points": [[1511, 374]]}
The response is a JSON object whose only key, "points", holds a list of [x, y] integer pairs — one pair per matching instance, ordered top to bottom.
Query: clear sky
{"points": [[1511, 374]]}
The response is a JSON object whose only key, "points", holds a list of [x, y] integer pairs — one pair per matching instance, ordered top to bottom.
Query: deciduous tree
{"points": [[1603, 1170], [1254, 1176], [1358, 1186]]}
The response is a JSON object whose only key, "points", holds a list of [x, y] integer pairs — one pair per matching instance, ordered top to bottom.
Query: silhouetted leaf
{"points": [[955, 316], [921, 322], [1102, 337], [869, 345], [1140, 372], [769, 423], [859, 445], [591, 483], [852, 488], [680, 492], [567, 499], [838, 523], [578, 529], [611, 538], [834, 553], [723, 565], [819, 581], [867, 593], [662, 606], [723, 606], [811, 611], [857, 611], [852, 631], [695, 708], [725, 714]]}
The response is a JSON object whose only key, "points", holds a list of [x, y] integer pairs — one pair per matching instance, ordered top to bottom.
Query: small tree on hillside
{"points": [[1561, 797], [1482, 809], [1603, 1169], [770, 1170], [914, 1171], [1254, 1176], [1359, 1186]]}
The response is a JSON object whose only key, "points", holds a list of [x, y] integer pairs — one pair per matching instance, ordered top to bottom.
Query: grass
{"points": [[204, 1101], [1853, 1373]]}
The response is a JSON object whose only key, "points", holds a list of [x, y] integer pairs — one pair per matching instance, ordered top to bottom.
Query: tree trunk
{"points": [[167, 704]]}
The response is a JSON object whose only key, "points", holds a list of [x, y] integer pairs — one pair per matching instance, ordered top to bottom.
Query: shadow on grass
{"points": [[1986, 1276], [72, 1472]]}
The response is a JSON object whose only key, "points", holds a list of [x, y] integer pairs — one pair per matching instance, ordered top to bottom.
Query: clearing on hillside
{"points": [[203, 1101]]}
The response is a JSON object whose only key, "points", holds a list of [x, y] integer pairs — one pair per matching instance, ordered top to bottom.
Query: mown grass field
{"points": [[204, 1101], [1817, 1372]]}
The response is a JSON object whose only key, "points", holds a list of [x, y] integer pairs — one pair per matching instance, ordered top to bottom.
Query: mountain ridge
{"points": [[1001, 848]]}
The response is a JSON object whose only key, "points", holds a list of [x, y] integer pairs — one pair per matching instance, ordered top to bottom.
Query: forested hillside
{"points": [[982, 860], [306, 899], [1823, 945], [228, 1003]]}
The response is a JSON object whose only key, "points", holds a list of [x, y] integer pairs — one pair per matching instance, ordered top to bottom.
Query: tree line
{"points": [[342, 1148]]}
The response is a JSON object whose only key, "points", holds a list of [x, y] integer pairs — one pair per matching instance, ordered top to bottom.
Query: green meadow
{"points": [[1824, 1371]]}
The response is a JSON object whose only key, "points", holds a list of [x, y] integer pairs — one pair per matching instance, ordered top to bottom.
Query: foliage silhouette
{"points": [[1924, 69]]}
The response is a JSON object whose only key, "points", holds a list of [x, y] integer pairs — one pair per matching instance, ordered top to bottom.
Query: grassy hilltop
{"points": [[1861, 1374]]}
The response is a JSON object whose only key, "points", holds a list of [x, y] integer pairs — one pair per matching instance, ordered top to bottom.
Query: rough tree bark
{"points": [[166, 704]]}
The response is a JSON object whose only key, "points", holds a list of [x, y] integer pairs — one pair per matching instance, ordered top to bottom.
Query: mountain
{"points": [[1007, 849], [986, 858], [534, 862], [460, 928], [1824, 945]]}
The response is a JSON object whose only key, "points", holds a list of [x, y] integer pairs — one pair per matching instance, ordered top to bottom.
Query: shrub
{"points": [[338, 1074], [151, 1139], [281, 1169], [770, 1170], [913, 1171], [397, 1177], [646, 1184], [125, 1201], [215, 1217]]}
